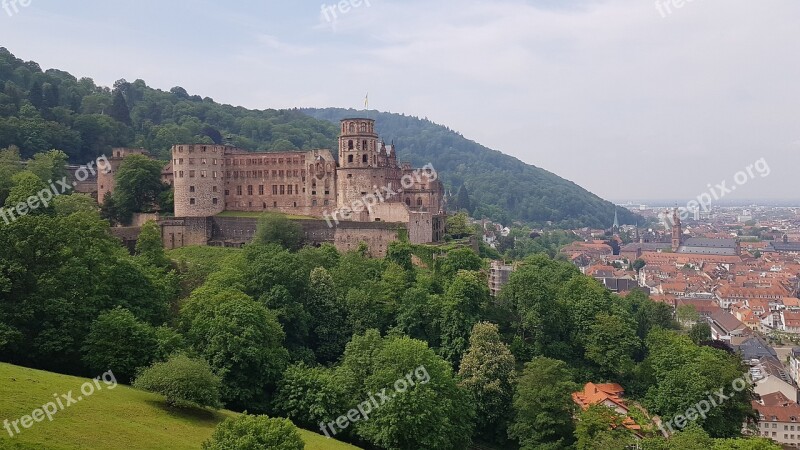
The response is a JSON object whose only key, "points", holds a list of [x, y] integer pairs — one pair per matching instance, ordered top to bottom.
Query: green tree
{"points": [[119, 109], [49, 166], [26, 185], [138, 186], [462, 199], [69, 204], [457, 226], [278, 229], [150, 247], [458, 259], [638, 264], [462, 307], [329, 328], [700, 332], [241, 340], [119, 342], [611, 344], [486, 372], [183, 381], [310, 395], [543, 406], [428, 409], [601, 428], [248, 432]]}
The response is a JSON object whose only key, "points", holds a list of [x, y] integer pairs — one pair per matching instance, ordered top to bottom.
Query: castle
{"points": [[365, 196]]}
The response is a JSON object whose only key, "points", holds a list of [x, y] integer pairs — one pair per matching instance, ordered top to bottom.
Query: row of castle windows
{"points": [[362, 127], [363, 145], [191, 148], [262, 161], [236, 162], [265, 173], [203, 174], [264, 204]]}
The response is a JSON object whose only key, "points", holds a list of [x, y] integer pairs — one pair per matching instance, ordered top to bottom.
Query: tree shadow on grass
{"points": [[194, 414]]}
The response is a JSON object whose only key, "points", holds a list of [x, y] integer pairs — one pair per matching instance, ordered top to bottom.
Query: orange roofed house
{"points": [[607, 394]]}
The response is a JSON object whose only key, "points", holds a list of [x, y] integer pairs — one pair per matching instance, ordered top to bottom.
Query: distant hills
{"points": [[42, 110]]}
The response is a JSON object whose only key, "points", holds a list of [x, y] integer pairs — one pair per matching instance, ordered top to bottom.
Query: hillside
{"points": [[42, 110], [502, 186], [111, 419]]}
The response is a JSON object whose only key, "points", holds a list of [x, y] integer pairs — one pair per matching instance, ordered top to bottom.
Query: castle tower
{"points": [[365, 165], [199, 179], [677, 233]]}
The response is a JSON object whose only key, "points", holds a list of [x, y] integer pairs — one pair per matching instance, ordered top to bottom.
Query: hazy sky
{"points": [[617, 96]]}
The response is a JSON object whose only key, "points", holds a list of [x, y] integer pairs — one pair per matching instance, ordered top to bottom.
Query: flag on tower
{"points": [[366, 101]]}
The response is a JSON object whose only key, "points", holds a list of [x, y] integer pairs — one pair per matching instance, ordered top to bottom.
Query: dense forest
{"points": [[52, 109], [499, 186], [311, 334]]}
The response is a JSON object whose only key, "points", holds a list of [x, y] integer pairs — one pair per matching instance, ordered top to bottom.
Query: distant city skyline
{"points": [[621, 97]]}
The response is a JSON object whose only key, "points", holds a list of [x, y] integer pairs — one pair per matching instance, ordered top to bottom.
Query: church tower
{"points": [[677, 233]]}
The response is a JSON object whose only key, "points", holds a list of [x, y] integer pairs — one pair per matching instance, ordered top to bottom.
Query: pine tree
{"points": [[119, 109], [462, 199]]}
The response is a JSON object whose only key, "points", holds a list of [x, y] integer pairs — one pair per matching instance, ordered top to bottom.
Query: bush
{"points": [[184, 382], [255, 433]]}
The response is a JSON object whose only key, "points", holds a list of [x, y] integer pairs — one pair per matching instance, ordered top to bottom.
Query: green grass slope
{"points": [[118, 418]]}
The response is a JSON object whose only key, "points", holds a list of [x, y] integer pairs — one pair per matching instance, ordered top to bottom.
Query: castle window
{"points": [[363, 127], [352, 128], [350, 144], [364, 145], [204, 148], [364, 158], [349, 159], [180, 160], [203, 161], [214, 161], [180, 174], [191, 174], [202, 174], [214, 174], [280, 174], [349, 175], [191, 188], [213, 189], [260, 189], [274, 189], [283, 189], [289, 189], [238, 190], [250, 190], [227, 192], [327, 192], [214, 200], [191, 201], [408, 201], [419, 201], [313, 203], [274, 204], [295, 204]]}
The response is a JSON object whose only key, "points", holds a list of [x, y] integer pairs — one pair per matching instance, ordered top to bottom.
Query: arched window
{"points": [[363, 127], [352, 128], [408, 201], [419, 201]]}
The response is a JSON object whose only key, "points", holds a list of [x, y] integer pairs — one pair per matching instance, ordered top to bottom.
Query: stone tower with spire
{"points": [[677, 233]]}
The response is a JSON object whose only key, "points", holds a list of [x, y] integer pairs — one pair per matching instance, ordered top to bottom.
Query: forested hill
{"points": [[42, 110], [499, 186]]}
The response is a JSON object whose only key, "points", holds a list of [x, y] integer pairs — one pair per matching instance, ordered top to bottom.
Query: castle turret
{"points": [[358, 144], [199, 179]]}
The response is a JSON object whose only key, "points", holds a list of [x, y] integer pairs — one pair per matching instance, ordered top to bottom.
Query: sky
{"points": [[631, 99]]}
